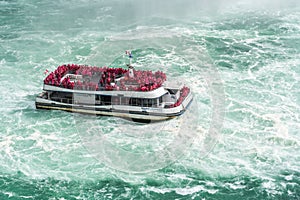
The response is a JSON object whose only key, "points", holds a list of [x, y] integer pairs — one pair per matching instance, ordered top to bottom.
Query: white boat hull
{"points": [[129, 112]]}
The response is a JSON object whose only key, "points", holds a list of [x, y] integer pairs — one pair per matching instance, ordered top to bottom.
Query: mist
{"points": [[193, 8]]}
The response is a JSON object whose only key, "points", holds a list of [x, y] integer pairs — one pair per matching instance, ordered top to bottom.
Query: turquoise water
{"points": [[239, 140]]}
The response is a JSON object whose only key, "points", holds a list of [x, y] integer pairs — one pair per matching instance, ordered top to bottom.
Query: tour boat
{"points": [[128, 93]]}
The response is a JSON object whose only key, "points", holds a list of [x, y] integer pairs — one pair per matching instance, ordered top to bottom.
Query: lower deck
{"points": [[156, 109]]}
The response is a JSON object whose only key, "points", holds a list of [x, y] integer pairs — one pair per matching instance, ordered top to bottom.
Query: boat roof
{"points": [[105, 80]]}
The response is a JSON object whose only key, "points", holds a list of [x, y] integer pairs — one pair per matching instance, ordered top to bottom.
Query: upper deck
{"points": [[87, 78]]}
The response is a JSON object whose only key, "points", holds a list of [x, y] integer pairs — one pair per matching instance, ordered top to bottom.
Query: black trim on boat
{"points": [[83, 108]]}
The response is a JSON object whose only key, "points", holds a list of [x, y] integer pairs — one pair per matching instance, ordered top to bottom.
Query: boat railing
{"points": [[72, 77], [184, 91], [62, 100]]}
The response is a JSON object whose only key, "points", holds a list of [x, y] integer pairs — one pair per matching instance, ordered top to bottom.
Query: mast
{"points": [[130, 67]]}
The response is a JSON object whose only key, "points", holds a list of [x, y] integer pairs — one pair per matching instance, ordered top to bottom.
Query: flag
{"points": [[127, 52]]}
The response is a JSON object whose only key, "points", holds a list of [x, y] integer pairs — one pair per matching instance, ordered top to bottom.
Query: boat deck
{"points": [[82, 77]]}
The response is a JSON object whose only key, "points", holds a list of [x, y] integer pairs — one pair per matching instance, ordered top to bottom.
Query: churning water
{"points": [[239, 140]]}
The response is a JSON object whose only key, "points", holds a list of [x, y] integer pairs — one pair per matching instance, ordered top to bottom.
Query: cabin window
{"points": [[63, 97], [81, 98], [97, 99], [106, 100], [115, 100], [125, 100], [160, 100], [135, 102], [145, 102], [149, 102], [152, 102]]}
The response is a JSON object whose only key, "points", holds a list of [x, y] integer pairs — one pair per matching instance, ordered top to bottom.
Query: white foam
{"points": [[181, 191]]}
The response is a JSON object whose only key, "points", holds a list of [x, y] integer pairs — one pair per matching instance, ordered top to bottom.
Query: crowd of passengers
{"points": [[107, 78]]}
